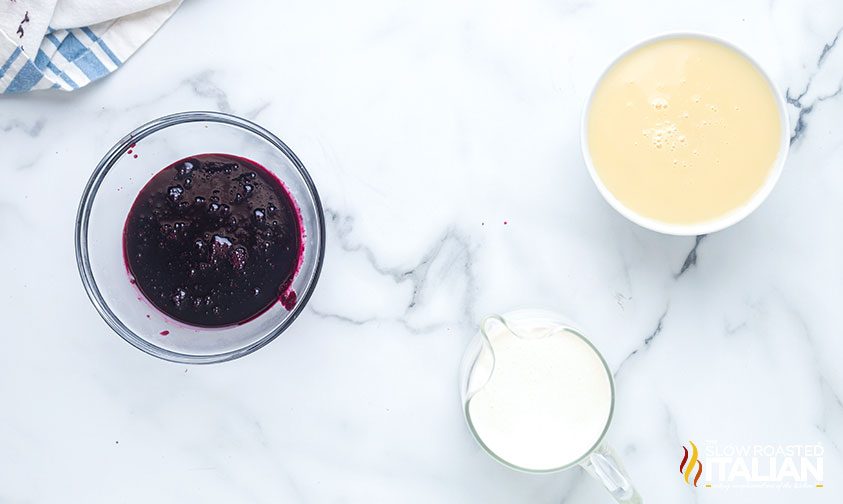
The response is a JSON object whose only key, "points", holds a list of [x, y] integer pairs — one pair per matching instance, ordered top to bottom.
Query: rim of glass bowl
{"points": [[81, 234]]}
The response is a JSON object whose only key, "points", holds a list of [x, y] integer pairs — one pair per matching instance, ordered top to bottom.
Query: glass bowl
{"points": [[109, 195]]}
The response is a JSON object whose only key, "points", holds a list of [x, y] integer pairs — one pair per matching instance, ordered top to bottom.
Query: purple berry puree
{"points": [[214, 240]]}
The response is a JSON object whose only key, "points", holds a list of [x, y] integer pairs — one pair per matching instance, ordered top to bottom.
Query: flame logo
{"points": [[687, 466]]}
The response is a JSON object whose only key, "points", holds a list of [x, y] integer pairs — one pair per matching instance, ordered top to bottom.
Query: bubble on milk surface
{"points": [[659, 103]]}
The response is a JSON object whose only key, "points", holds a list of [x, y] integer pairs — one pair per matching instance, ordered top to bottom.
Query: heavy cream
{"points": [[544, 397]]}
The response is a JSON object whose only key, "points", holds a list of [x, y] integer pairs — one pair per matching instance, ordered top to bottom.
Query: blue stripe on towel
{"points": [[90, 33], [52, 38], [100, 42], [71, 48], [75, 52], [41, 60], [9, 61], [90, 65], [56, 70], [28, 77]]}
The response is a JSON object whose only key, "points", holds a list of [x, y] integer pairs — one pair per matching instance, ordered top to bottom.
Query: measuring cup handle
{"points": [[605, 466]]}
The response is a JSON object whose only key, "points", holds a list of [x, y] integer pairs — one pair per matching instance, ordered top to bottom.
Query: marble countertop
{"points": [[444, 139]]}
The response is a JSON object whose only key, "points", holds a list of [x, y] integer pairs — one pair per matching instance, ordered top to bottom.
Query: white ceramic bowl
{"points": [[708, 226]]}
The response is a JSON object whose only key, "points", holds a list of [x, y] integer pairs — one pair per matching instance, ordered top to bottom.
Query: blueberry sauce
{"points": [[214, 240]]}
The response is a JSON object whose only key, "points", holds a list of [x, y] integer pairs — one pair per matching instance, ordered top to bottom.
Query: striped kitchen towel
{"points": [[66, 44]]}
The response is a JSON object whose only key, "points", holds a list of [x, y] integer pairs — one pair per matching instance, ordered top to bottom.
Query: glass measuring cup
{"points": [[479, 365]]}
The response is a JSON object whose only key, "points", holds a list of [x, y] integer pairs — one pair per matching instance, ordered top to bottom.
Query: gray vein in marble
{"points": [[828, 47], [202, 85], [796, 100], [805, 110], [255, 112], [32, 130], [29, 164], [10, 212], [691, 258], [418, 274], [620, 299], [343, 318], [657, 330], [731, 330], [646, 343], [833, 400], [837, 403]]}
